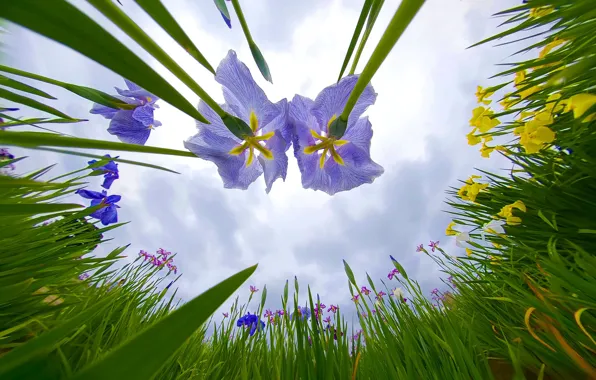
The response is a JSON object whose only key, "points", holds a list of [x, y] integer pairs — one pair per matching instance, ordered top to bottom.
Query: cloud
{"points": [[426, 94]]}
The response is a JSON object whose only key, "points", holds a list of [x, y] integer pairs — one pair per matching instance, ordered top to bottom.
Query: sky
{"points": [[425, 98]]}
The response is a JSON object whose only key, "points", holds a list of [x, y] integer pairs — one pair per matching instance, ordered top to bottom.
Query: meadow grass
{"points": [[522, 301]]}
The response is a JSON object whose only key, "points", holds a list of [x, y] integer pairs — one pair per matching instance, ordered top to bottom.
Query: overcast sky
{"points": [[425, 99]]}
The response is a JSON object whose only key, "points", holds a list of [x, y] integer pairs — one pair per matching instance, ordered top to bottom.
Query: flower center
{"points": [[254, 142], [327, 144]]}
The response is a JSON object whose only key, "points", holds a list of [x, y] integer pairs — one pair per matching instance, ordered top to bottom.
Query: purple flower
{"points": [[131, 126], [4, 154], [235, 158], [327, 163], [109, 171], [107, 214], [433, 245], [420, 248], [144, 255], [172, 268], [394, 272], [83, 276], [253, 289], [365, 290], [435, 291], [380, 295], [355, 297], [321, 306], [332, 308], [280, 312], [302, 312], [268, 313], [225, 315], [327, 320], [252, 321]]}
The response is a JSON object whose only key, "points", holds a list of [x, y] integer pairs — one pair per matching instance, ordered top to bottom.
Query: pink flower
{"points": [[433, 245], [420, 248], [163, 253], [394, 272], [253, 289], [365, 291], [381, 294], [355, 297], [321, 306], [333, 308], [374, 311], [280, 312], [268, 313], [225, 315], [272, 319], [327, 320]]}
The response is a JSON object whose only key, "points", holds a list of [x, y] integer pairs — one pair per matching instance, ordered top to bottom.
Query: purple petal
{"points": [[227, 20], [241, 92], [137, 93], [332, 100], [107, 112], [144, 115], [275, 117], [217, 126], [127, 129], [360, 133], [278, 166], [232, 169], [358, 169], [108, 180], [90, 194], [113, 199], [110, 215]]}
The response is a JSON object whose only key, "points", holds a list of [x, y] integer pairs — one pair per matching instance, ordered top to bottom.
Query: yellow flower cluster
{"points": [[580, 104], [482, 121], [535, 133], [471, 189], [507, 212]]}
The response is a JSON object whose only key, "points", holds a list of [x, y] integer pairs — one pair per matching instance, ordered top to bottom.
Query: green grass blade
{"points": [[160, 14], [372, 18], [64, 23], [355, 36], [8, 82], [9, 95], [39, 121], [37, 139], [98, 157], [33, 209], [162, 340]]}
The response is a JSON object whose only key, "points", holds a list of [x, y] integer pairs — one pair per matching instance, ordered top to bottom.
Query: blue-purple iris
{"points": [[131, 126], [235, 159], [327, 163], [109, 171], [107, 214], [302, 313], [252, 321]]}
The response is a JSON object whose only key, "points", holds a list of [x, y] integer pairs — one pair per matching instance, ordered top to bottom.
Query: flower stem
{"points": [[242, 21], [400, 21]]}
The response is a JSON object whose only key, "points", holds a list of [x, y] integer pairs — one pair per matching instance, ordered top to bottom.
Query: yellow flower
{"points": [[541, 11], [550, 46], [520, 76], [529, 91], [482, 95], [508, 101], [580, 104], [553, 105], [477, 114], [524, 115], [487, 123], [535, 133], [472, 138], [487, 138], [501, 148], [486, 150], [471, 189], [521, 206], [507, 212], [513, 220], [450, 231], [496, 245], [468, 252]]}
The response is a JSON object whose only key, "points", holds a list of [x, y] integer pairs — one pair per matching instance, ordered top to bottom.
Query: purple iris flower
{"points": [[131, 126], [5, 154], [235, 158], [327, 163], [109, 170], [107, 214], [302, 312], [252, 321]]}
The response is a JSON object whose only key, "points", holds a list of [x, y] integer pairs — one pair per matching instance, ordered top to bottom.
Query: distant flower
{"points": [[131, 126], [5, 155], [240, 162], [328, 163], [109, 171], [107, 214], [493, 227], [461, 238], [433, 245], [420, 248], [163, 253], [144, 255], [156, 261], [172, 268], [394, 272], [83, 276], [450, 279], [253, 289], [365, 290], [435, 291], [397, 293], [380, 294], [355, 297], [404, 300], [321, 306], [332, 308], [373, 311], [280, 312], [302, 312], [268, 313], [225, 315], [364, 315], [271, 319], [327, 320], [251, 321], [335, 334]]}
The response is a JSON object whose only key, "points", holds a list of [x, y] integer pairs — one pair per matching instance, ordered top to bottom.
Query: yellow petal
{"points": [[520, 76], [580, 103], [331, 120], [254, 123], [316, 135], [545, 135], [264, 137], [473, 139], [340, 142], [313, 148], [532, 148], [238, 150], [264, 151], [251, 156], [336, 156], [323, 157], [519, 205], [505, 211], [513, 220], [450, 231], [468, 252]]}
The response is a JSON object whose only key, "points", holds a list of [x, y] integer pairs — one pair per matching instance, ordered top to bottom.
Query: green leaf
{"points": [[223, 8], [160, 14], [372, 18], [81, 33], [355, 36], [260, 60], [8, 82], [9, 95], [40, 121], [237, 126], [37, 139], [81, 154], [10, 182], [33, 209], [349, 273], [162, 339], [48, 341]]}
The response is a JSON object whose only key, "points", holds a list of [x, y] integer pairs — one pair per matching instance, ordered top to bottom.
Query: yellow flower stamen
{"points": [[254, 142], [327, 145]]}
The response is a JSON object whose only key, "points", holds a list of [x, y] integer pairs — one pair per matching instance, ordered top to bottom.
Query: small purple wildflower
{"points": [[109, 171], [107, 214], [433, 245], [420, 248], [394, 272], [83, 276], [253, 289], [365, 290], [380, 295], [355, 297], [333, 308], [280, 312], [268, 313], [225, 315], [364, 315], [327, 320], [252, 321]]}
